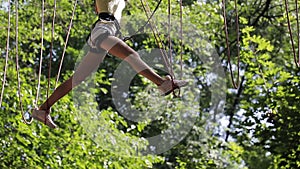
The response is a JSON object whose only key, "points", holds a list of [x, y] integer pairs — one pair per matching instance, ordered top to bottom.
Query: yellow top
{"points": [[114, 7]]}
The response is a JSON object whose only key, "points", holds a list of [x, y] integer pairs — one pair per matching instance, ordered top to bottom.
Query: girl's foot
{"points": [[169, 85], [44, 117]]}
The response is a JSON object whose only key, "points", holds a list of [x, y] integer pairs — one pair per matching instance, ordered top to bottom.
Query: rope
{"points": [[146, 23], [290, 31], [298, 31], [169, 37], [181, 39], [158, 41], [66, 43], [51, 51], [6, 56], [41, 56], [168, 61], [18, 67], [235, 83], [177, 95]]}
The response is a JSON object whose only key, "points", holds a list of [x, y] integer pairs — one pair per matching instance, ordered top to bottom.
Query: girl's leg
{"points": [[120, 49], [89, 64]]}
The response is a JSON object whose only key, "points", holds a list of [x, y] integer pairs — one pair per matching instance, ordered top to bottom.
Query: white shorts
{"points": [[101, 31]]}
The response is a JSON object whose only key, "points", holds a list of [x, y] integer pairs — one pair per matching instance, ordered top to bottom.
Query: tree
{"points": [[261, 116]]}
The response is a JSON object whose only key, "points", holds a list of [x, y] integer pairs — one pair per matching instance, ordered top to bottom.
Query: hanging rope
{"points": [[146, 23], [298, 31], [291, 34], [169, 38], [158, 39], [181, 39], [66, 43], [170, 49], [51, 51], [6, 55], [41, 55], [167, 59], [18, 67], [234, 83]]}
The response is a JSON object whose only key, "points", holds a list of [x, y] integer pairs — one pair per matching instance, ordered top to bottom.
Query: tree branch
{"points": [[267, 5], [235, 104]]}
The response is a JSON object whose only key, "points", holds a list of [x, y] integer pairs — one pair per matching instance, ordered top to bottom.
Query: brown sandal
{"points": [[169, 85], [44, 117]]}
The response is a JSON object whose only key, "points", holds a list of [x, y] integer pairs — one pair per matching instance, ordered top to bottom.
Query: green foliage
{"points": [[269, 102], [262, 116], [36, 146]]}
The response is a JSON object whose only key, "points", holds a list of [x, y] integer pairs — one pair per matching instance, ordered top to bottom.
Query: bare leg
{"points": [[116, 47], [120, 49], [89, 64]]}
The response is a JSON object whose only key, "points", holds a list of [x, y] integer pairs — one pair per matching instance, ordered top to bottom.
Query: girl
{"points": [[102, 39]]}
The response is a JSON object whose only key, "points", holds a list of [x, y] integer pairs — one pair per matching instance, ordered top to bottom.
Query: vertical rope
{"points": [[146, 23], [154, 29], [298, 31], [290, 32], [169, 38], [181, 39], [158, 40], [66, 43], [227, 43], [51, 51], [6, 55], [41, 55], [18, 67], [236, 85]]}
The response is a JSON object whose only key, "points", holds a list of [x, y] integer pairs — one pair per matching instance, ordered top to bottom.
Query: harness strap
{"points": [[107, 17], [174, 87]]}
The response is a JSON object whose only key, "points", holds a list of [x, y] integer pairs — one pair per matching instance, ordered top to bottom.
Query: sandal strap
{"points": [[170, 85], [174, 87]]}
